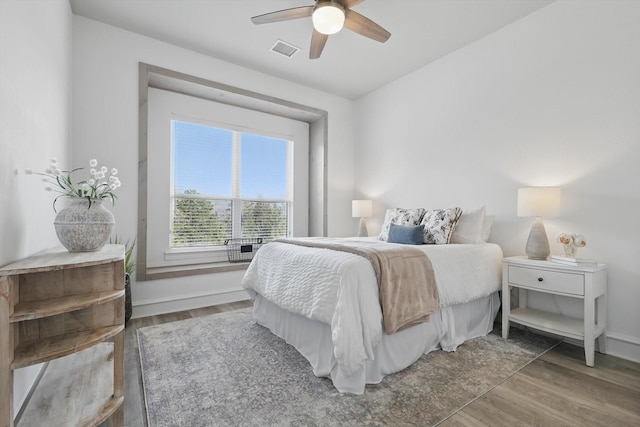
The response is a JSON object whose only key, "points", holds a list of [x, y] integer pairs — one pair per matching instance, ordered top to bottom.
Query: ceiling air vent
{"points": [[284, 48]]}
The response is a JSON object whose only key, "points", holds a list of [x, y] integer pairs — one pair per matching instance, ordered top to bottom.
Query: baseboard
{"points": [[186, 302], [618, 345], [623, 346], [23, 404]]}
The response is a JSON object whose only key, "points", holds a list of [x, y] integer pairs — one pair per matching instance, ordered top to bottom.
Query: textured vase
{"points": [[84, 228], [570, 250]]}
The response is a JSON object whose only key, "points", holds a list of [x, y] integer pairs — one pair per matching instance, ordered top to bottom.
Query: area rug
{"points": [[225, 370]]}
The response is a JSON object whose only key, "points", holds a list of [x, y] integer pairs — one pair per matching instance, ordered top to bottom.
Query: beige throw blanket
{"points": [[408, 291]]}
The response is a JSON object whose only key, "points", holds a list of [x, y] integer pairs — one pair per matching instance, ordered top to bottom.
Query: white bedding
{"points": [[340, 289]]}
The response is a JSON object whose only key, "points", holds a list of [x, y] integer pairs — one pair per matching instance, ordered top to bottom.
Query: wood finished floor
{"points": [[557, 389]]}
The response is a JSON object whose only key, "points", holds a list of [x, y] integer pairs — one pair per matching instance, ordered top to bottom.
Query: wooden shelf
{"points": [[45, 308], [66, 309], [552, 323], [51, 348], [87, 378]]}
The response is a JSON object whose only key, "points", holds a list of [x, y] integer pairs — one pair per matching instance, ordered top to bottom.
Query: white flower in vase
{"points": [[571, 242]]}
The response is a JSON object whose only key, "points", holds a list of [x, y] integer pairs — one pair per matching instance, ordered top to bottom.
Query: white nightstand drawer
{"points": [[561, 282]]}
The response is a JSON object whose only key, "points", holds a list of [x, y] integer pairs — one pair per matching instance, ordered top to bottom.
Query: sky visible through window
{"points": [[203, 156]]}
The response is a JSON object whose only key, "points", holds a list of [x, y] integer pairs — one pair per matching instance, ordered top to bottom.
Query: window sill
{"points": [[192, 270]]}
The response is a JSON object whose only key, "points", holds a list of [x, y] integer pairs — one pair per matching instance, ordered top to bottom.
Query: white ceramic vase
{"points": [[84, 228], [570, 250]]}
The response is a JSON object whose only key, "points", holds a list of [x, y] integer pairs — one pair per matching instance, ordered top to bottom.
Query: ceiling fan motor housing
{"points": [[328, 16]]}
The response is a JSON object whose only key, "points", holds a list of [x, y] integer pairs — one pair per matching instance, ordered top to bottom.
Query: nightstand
{"points": [[586, 283]]}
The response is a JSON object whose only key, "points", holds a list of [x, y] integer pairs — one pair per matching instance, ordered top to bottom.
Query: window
{"points": [[216, 172], [228, 184]]}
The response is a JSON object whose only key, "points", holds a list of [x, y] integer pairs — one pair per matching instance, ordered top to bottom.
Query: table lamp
{"points": [[538, 202], [362, 209]]}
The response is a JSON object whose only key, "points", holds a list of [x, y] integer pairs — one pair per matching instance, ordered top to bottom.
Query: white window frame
{"points": [[164, 106]]}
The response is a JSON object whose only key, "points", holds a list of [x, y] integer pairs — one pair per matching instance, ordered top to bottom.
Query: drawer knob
{"points": [[540, 279]]}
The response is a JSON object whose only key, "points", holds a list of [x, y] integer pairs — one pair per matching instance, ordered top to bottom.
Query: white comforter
{"points": [[340, 289]]}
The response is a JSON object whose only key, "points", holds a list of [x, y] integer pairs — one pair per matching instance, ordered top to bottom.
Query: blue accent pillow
{"points": [[406, 234]]}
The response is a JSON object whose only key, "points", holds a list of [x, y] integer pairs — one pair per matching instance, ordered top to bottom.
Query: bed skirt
{"points": [[446, 329]]}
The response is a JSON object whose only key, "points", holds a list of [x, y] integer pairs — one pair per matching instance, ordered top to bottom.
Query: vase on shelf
{"points": [[84, 226]]}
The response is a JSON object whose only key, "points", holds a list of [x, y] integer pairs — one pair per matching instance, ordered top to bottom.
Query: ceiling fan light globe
{"points": [[328, 18]]}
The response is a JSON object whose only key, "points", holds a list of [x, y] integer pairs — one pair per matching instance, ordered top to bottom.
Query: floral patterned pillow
{"points": [[400, 216], [439, 224]]}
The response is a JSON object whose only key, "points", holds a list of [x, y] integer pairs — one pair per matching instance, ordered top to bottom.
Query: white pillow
{"points": [[400, 216], [438, 225], [469, 227], [486, 227]]}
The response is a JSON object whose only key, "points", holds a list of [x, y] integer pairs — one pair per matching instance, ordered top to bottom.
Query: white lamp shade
{"points": [[328, 18], [539, 201], [361, 208]]}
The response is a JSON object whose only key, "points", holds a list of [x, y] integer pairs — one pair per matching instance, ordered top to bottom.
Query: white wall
{"points": [[35, 72], [552, 99], [105, 108]]}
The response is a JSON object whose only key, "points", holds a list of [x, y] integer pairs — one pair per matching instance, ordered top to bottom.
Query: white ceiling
{"points": [[350, 66]]}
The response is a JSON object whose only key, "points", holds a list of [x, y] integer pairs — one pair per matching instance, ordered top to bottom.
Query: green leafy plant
{"points": [[101, 184], [129, 261]]}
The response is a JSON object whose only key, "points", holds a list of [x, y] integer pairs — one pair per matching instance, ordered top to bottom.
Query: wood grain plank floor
{"points": [[557, 389]]}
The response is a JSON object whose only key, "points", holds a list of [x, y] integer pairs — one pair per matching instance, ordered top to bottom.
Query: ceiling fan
{"points": [[328, 16]]}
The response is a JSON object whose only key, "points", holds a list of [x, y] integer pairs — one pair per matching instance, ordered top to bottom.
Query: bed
{"points": [[326, 303]]}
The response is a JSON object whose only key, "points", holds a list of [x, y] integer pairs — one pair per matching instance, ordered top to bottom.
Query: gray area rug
{"points": [[225, 370]]}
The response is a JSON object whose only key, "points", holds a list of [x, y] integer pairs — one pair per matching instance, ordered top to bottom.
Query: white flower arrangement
{"points": [[101, 183], [571, 243]]}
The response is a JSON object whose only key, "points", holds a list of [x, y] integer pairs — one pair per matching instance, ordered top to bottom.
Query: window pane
{"points": [[202, 159], [210, 167], [264, 167], [264, 219], [200, 222]]}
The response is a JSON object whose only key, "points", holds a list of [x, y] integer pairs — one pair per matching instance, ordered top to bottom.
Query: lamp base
{"points": [[362, 230], [538, 243]]}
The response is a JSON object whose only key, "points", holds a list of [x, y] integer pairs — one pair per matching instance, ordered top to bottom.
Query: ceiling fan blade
{"points": [[351, 3], [283, 15], [365, 26], [318, 40]]}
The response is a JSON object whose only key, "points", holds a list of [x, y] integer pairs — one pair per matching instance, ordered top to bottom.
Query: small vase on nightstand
{"points": [[570, 250]]}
